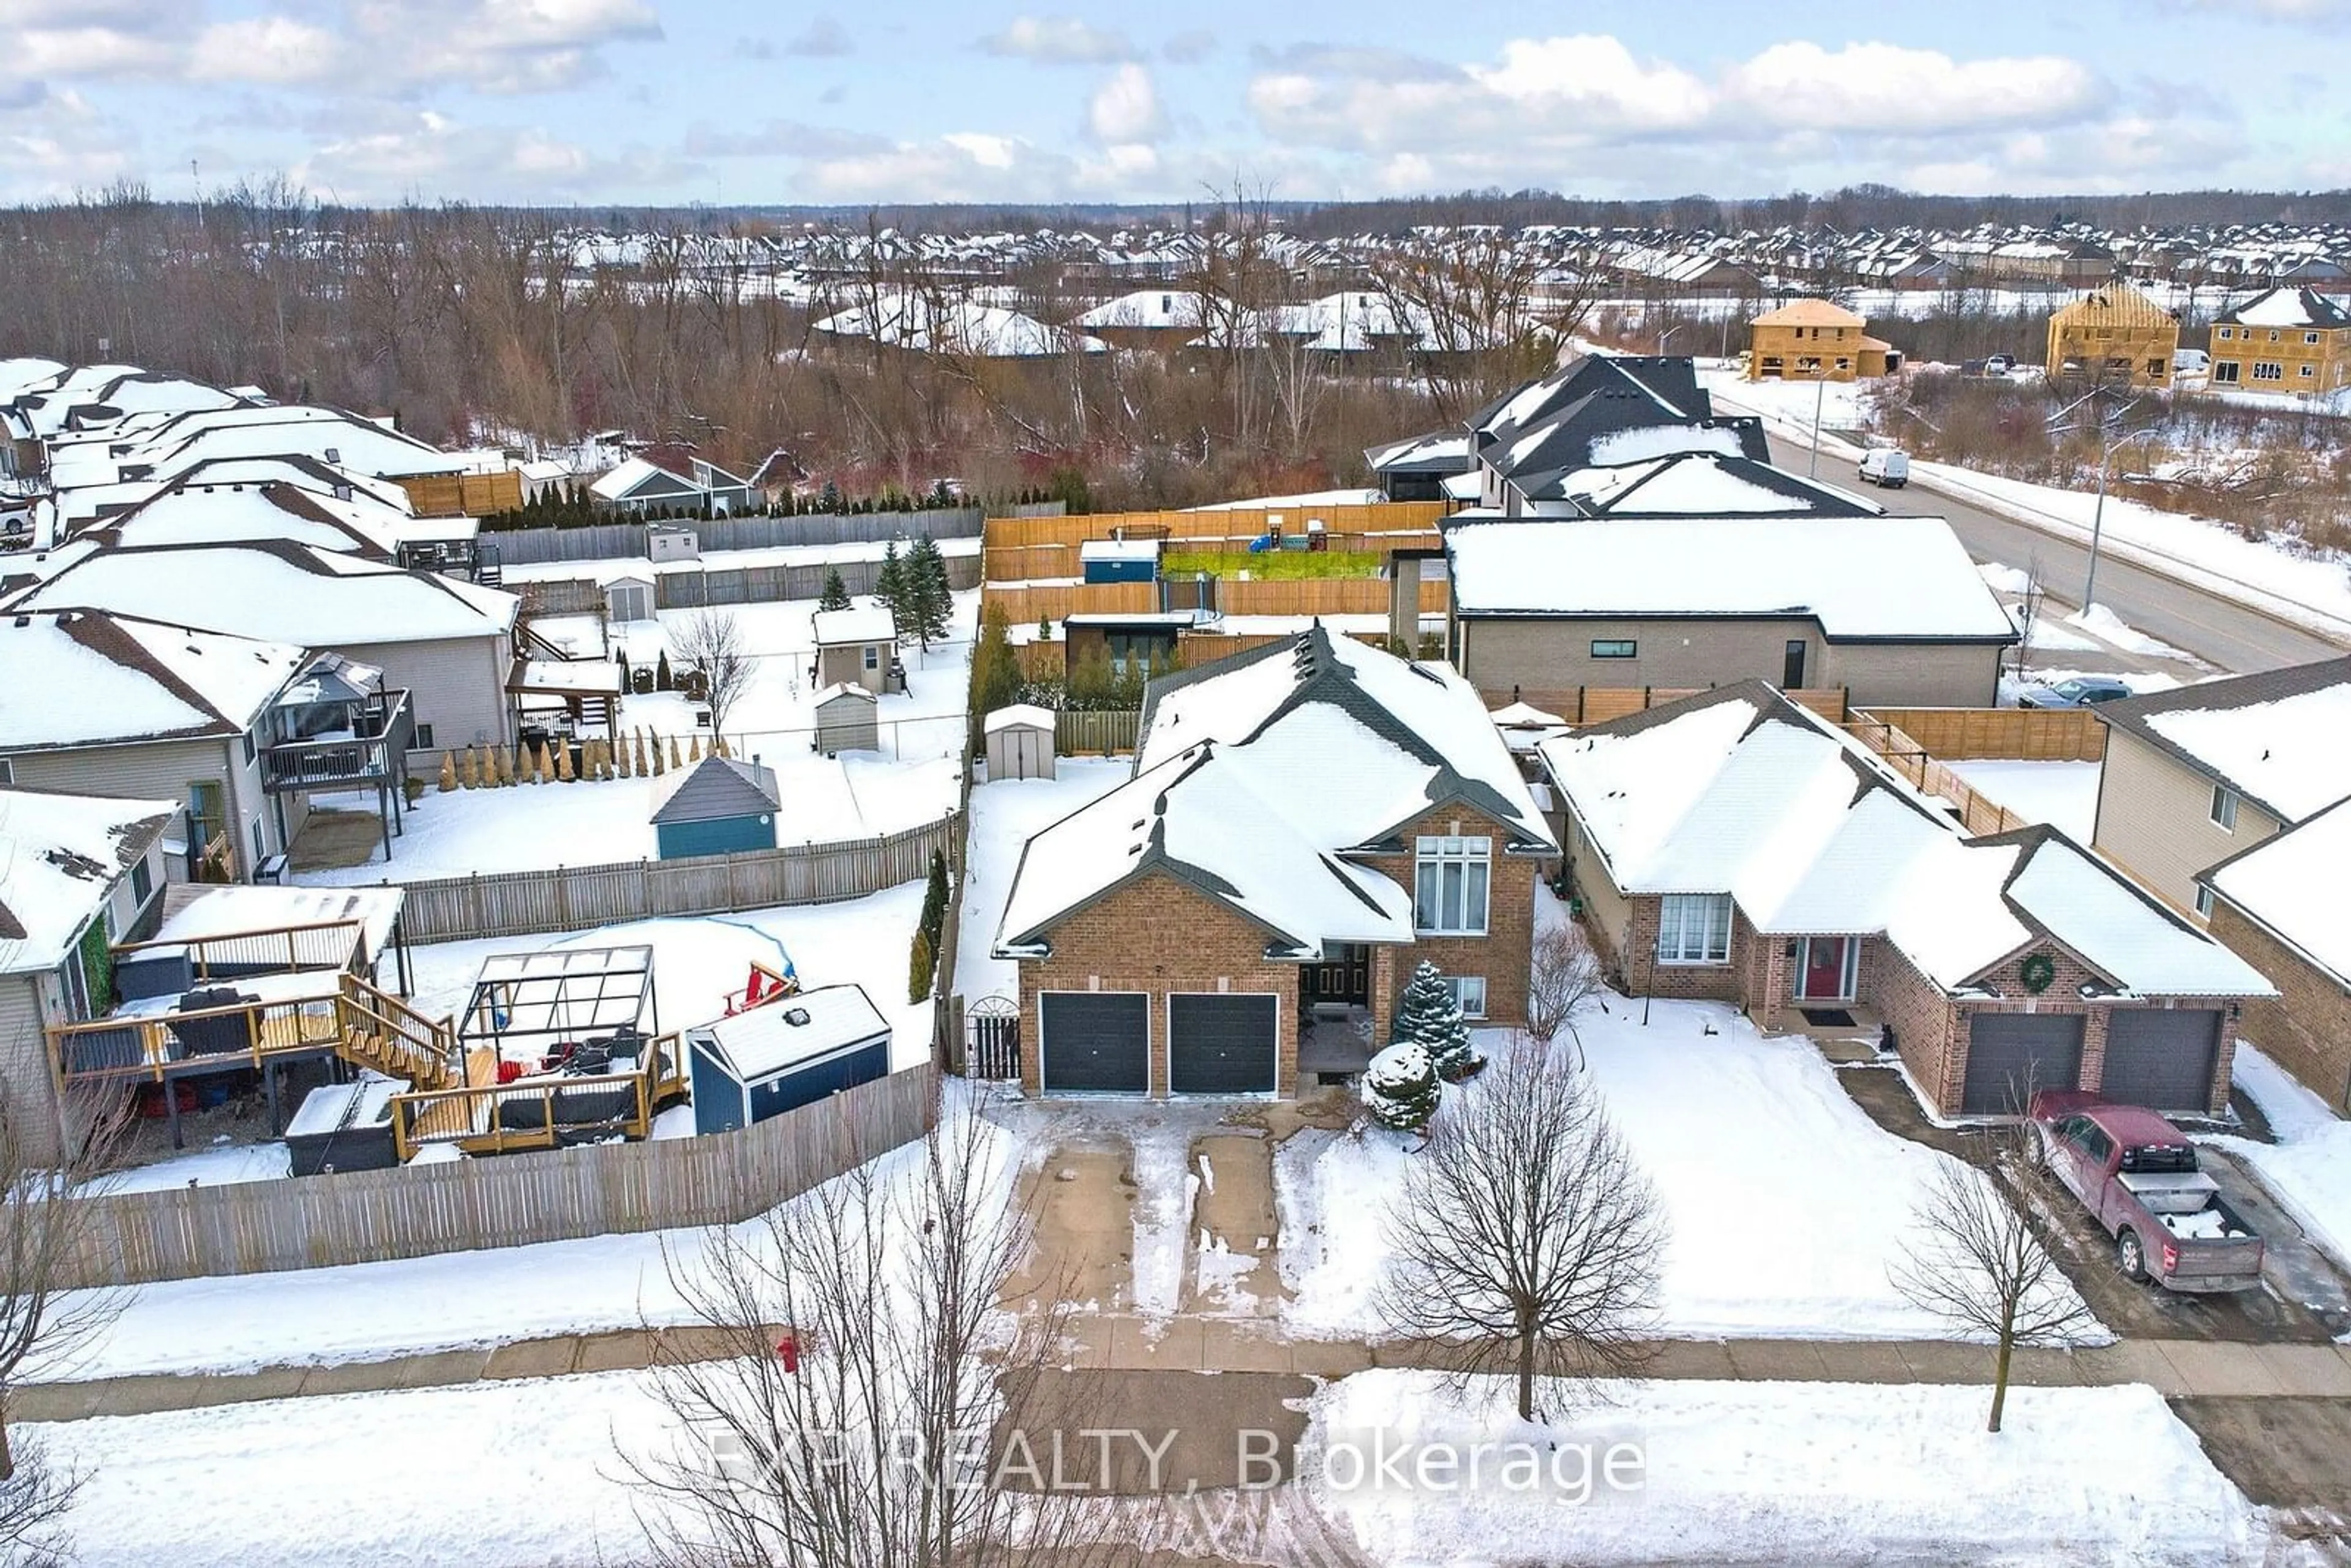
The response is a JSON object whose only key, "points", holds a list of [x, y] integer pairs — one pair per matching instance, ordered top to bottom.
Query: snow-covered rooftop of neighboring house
{"points": [[2286, 307], [1160, 309], [909, 320], [1644, 442], [175, 444], [1439, 451], [634, 471], [1688, 484], [1349, 497], [223, 514], [1891, 577], [287, 593], [858, 624], [81, 677], [2282, 738], [1257, 775], [1740, 791], [64, 855], [2292, 881], [210, 912]]}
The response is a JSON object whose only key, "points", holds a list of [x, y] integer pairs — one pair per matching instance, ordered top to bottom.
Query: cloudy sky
{"points": [[733, 101]]}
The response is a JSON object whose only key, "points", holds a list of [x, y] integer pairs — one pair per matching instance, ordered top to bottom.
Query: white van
{"points": [[1885, 466]]}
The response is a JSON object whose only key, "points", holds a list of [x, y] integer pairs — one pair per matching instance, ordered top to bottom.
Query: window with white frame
{"points": [[2268, 371], [2224, 807], [1449, 884], [1694, 928], [1468, 994]]}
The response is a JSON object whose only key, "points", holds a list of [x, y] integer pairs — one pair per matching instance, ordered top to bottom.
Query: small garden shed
{"points": [[629, 598], [859, 644], [844, 719], [1020, 742], [714, 807], [786, 1054]]}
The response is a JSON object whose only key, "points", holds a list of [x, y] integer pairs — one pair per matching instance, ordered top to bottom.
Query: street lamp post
{"points": [[1666, 337], [1820, 397], [2107, 451]]}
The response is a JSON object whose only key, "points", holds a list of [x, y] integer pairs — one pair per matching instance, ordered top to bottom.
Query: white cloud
{"points": [[822, 38], [1059, 41], [269, 49], [90, 52], [1595, 78], [1878, 87], [1125, 108], [433, 152]]}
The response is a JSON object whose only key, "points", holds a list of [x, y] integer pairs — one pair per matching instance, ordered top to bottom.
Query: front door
{"points": [[1792, 665], [1344, 975], [1826, 975]]}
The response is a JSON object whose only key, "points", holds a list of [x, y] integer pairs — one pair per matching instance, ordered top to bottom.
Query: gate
{"points": [[992, 1038]]}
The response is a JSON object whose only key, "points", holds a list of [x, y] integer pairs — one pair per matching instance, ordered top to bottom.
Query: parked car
{"points": [[1999, 364], [1888, 467], [2081, 691], [2139, 1176]]}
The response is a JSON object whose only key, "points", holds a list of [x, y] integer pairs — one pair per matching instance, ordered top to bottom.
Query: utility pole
{"points": [[1820, 397]]}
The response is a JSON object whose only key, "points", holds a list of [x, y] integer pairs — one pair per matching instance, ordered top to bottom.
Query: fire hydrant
{"points": [[788, 1349]]}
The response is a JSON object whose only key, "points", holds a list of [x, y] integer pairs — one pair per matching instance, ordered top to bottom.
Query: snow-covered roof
{"points": [[2286, 307], [1155, 309], [1808, 313], [1438, 451], [634, 476], [1693, 484], [183, 514], [1119, 549], [1896, 578], [289, 592], [858, 624], [83, 677], [839, 689], [1024, 714], [2281, 738], [1256, 778], [1740, 791], [64, 853], [2291, 882], [196, 911], [798, 1029]]}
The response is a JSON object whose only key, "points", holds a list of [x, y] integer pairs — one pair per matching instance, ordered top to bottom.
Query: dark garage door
{"points": [[1095, 1042], [1222, 1044], [2010, 1055], [2161, 1058]]}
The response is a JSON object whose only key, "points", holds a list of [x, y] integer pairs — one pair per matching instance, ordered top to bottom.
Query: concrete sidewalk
{"points": [[2174, 1368]]}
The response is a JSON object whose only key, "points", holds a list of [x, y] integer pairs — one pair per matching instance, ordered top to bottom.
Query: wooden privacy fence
{"points": [[1379, 521], [1023, 562], [1027, 605], [1598, 705], [1100, 732], [2016, 734], [1903, 753], [572, 898], [461, 1206]]}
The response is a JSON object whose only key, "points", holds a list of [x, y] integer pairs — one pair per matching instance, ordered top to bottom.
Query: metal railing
{"points": [[388, 734]]}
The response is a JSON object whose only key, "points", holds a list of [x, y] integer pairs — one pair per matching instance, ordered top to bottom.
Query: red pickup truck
{"points": [[2137, 1174]]}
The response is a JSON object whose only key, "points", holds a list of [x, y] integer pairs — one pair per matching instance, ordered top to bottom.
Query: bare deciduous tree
{"points": [[2027, 614], [711, 642], [1565, 980], [42, 1230], [1525, 1232], [1977, 1265], [894, 1437]]}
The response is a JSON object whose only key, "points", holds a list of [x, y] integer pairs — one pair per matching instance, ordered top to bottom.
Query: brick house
{"points": [[1305, 822], [1733, 847], [2277, 905]]}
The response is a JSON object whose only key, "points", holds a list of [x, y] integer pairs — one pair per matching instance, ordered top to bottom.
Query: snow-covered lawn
{"points": [[1843, 405], [775, 715], [2062, 794], [825, 800], [1004, 815], [698, 960], [221, 1166], [2308, 1169], [1786, 1202], [1790, 1472], [524, 1474]]}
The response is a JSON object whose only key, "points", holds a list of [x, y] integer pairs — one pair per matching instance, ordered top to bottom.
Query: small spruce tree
{"points": [[890, 587], [836, 593], [930, 599], [662, 681], [919, 964], [1430, 1018], [1400, 1088]]}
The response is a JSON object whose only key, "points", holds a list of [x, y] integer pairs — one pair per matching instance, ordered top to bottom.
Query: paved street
{"points": [[2228, 635]]}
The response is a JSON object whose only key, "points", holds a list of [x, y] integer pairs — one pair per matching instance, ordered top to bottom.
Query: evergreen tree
{"points": [[831, 500], [890, 588], [836, 594], [930, 600], [994, 673], [662, 681], [934, 900], [920, 962], [1429, 1017], [1400, 1088]]}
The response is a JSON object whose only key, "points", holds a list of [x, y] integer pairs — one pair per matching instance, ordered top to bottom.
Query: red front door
{"points": [[1823, 976]]}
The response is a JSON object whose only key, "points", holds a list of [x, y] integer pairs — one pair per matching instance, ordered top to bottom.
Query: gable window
{"points": [[2268, 371], [1614, 648], [2224, 808], [1449, 883], [1694, 928], [1468, 994]]}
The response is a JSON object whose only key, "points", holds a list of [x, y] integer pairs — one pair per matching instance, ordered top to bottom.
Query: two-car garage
{"points": [[1099, 1042], [2162, 1058]]}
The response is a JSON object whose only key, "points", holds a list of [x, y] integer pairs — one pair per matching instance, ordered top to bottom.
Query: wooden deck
{"points": [[329, 1011]]}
